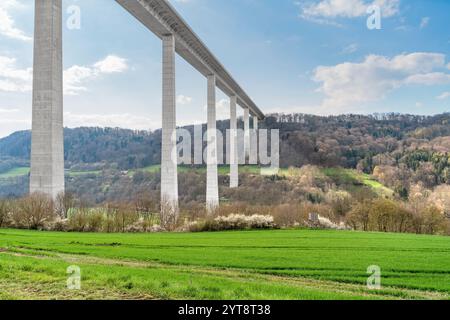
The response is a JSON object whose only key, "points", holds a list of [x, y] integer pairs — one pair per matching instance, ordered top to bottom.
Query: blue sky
{"points": [[311, 56]]}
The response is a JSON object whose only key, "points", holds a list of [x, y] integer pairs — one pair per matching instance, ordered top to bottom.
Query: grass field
{"points": [[222, 169], [23, 171], [16, 172], [351, 176], [281, 264]]}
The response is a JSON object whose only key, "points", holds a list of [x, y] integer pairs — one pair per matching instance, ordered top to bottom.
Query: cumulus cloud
{"points": [[325, 10], [7, 23], [352, 48], [111, 64], [75, 77], [13, 78], [16, 79], [429, 79], [349, 83], [443, 96], [183, 100], [4, 111], [13, 119], [123, 120]]}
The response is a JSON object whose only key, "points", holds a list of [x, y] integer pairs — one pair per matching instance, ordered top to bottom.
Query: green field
{"points": [[222, 169], [23, 171], [16, 172], [73, 173], [351, 176], [281, 264]]}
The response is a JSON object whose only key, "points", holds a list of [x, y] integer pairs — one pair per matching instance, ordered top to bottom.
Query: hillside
{"points": [[399, 149], [381, 172]]}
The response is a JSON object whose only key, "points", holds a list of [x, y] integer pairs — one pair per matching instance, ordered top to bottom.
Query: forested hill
{"points": [[418, 144]]}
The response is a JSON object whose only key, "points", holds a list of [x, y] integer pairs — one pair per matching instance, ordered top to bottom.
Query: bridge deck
{"points": [[162, 19]]}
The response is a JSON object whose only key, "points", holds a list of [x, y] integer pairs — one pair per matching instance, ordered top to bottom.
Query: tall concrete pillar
{"points": [[246, 134], [254, 141], [47, 142], [234, 159], [169, 172], [212, 180]]}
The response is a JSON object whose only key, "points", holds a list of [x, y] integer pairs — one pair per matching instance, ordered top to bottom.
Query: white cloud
{"points": [[324, 10], [424, 22], [7, 23], [352, 48], [111, 64], [76, 76], [13, 78], [429, 79], [348, 84], [443, 96], [183, 100], [4, 111], [13, 119], [124, 120]]}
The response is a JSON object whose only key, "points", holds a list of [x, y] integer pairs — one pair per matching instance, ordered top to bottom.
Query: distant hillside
{"points": [[399, 150]]}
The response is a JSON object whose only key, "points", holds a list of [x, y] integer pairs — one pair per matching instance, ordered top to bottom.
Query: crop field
{"points": [[16, 172], [280, 264]]}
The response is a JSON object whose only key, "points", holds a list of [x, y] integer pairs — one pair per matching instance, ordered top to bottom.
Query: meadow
{"points": [[275, 264]]}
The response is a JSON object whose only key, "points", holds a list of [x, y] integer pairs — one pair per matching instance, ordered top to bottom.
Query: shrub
{"points": [[65, 201], [4, 212], [33, 212], [123, 215], [168, 215], [287, 215], [78, 220], [234, 222], [434, 222], [58, 224], [143, 225]]}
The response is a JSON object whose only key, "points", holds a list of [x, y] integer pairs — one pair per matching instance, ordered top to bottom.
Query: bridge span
{"points": [[159, 16]]}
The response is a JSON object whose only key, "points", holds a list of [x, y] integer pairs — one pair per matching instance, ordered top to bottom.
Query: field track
{"points": [[282, 264]]}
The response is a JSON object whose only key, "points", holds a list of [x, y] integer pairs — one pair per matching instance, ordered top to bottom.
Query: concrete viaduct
{"points": [[47, 150]]}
